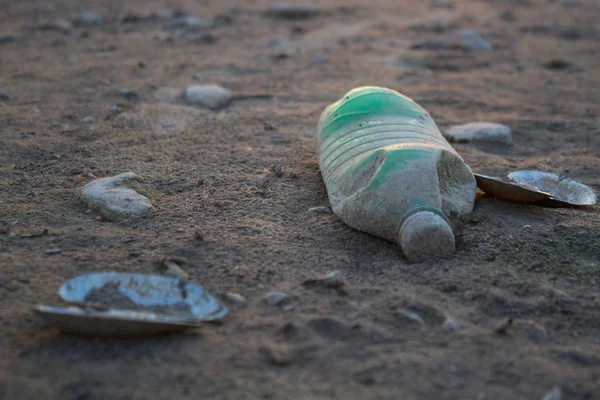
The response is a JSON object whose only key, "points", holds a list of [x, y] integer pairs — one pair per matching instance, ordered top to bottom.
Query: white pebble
{"points": [[213, 97], [480, 132], [112, 196], [233, 298], [275, 298], [449, 325], [554, 394]]}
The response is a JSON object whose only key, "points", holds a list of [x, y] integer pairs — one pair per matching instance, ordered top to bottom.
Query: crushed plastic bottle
{"points": [[390, 172]]}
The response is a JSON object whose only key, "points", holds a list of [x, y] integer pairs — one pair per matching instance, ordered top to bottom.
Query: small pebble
{"points": [[571, 3], [441, 4], [292, 11], [161, 14], [87, 18], [130, 18], [223, 18], [188, 23], [63, 25], [10, 38], [203, 38], [473, 41], [432, 44], [277, 45], [319, 59], [558, 64], [197, 76], [126, 93], [211, 96], [33, 111], [87, 119], [480, 132], [321, 210], [526, 227], [199, 235], [52, 252], [174, 269], [333, 279], [233, 298], [275, 298], [410, 316], [449, 325], [504, 326], [280, 355], [554, 394]]}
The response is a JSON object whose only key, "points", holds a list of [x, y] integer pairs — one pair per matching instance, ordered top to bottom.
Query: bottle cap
{"points": [[425, 236]]}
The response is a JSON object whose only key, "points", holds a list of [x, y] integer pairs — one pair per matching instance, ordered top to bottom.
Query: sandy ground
{"points": [[219, 171]]}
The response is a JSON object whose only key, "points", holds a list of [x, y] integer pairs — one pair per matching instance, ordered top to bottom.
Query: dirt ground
{"points": [[248, 174]]}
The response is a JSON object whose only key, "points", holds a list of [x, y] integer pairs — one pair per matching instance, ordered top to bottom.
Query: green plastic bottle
{"points": [[390, 172]]}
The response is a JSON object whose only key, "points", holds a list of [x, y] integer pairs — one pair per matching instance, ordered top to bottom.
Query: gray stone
{"points": [[441, 4], [292, 11], [161, 14], [87, 18], [131, 18], [188, 23], [60, 25], [63, 25], [10, 38], [203, 38], [473, 41], [277, 44], [432, 44], [319, 59], [126, 93], [211, 96], [33, 111], [87, 119], [480, 132], [114, 197], [199, 234], [52, 252], [175, 270], [333, 279], [233, 298], [275, 298], [410, 316], [449, 325], [554, 394]]}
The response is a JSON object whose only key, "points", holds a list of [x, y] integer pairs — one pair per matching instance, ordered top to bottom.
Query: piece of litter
{"points": [[564, 191], [126, 304]]}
